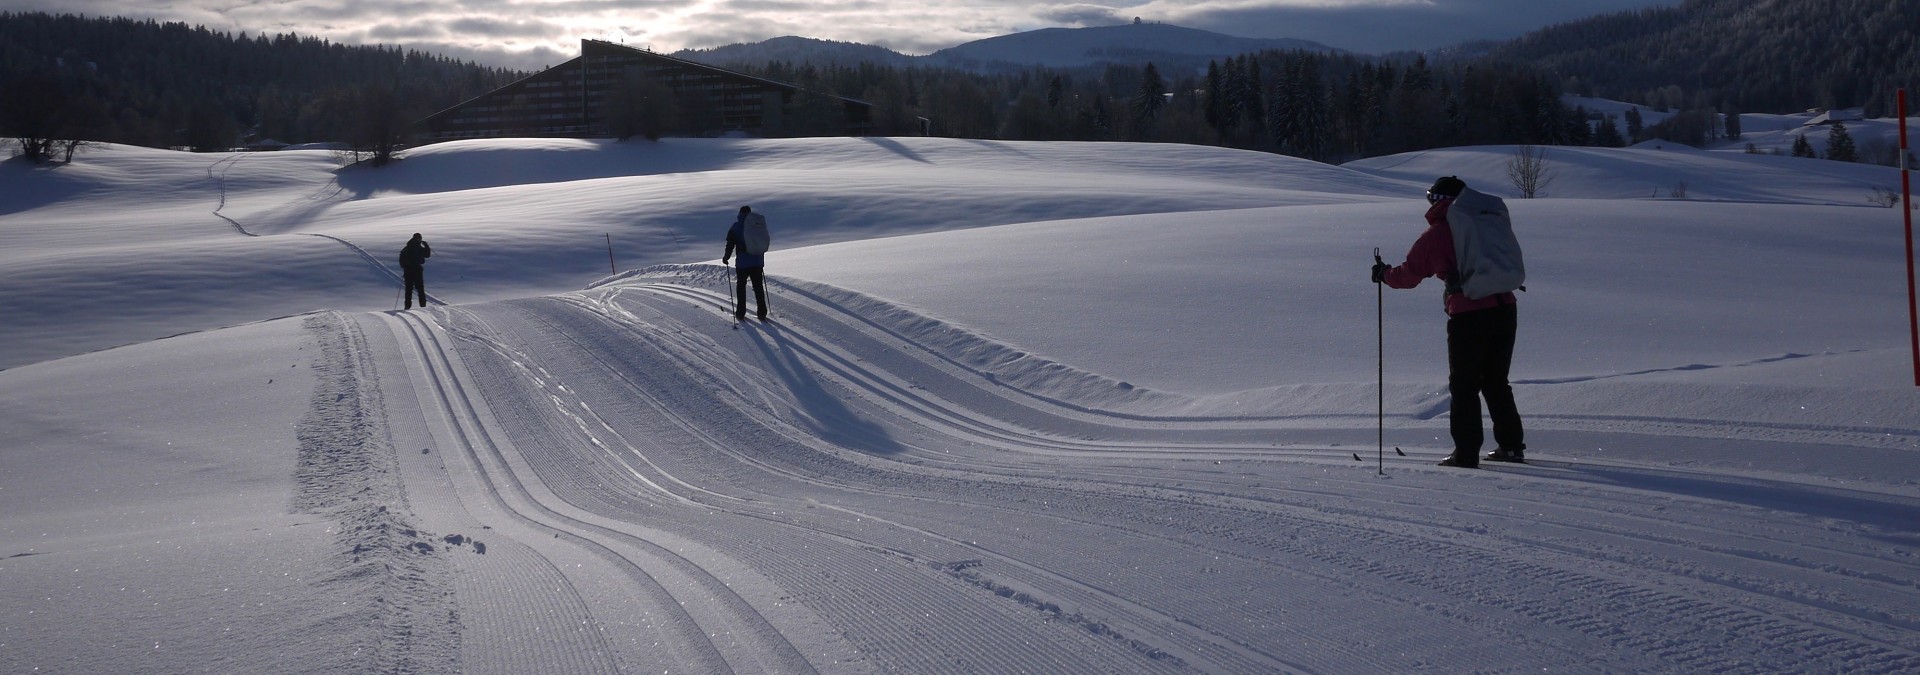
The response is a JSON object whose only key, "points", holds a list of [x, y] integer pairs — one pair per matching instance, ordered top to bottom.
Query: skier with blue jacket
{"points": [[749, 237]]}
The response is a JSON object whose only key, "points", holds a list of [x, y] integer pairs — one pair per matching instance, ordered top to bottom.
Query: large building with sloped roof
{"points": [[571, 100]]}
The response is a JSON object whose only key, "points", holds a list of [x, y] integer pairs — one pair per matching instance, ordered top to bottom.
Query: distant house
{"points": [[570, 100], [1831, 116], [262, 144]]}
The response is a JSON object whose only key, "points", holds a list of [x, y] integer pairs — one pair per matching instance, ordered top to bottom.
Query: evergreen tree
{"points": [[1148, 103], [1216, 103], [1253, 109], [1416, 109], [892, 114], [1298, 119], [1733, 125], [1635, 126], [1578, 132], [1607, 133], [1840, 146], [1802, 148]]}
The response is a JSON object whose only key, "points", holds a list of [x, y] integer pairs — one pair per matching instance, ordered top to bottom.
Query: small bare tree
{"points": [[1530, 171], [1885, 197]]}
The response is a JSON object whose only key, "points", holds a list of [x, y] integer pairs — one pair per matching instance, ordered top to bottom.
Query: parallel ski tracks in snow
{"points": [[930, 525], [919, 601], [765, 650]]}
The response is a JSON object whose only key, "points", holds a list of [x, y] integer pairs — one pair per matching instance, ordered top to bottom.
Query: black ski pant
{"points": [[740, 277], [416, 283], [1479, 353]]}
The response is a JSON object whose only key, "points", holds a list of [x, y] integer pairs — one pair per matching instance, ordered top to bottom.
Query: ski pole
{"points": [[396, 297], [1380, 322]]}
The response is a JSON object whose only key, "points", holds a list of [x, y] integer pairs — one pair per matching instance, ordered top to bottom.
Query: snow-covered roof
{"points": [[1831, 116]]}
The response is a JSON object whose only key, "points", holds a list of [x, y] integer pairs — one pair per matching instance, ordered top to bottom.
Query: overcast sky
{"points": [[532, 34]]}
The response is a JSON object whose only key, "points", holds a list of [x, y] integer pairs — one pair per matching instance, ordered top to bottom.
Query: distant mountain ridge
{"points": [[1168, 46], [797, 50]]}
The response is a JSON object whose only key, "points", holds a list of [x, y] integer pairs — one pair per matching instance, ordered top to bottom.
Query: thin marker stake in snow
{"points": [[1907, 211], [610, 268]]}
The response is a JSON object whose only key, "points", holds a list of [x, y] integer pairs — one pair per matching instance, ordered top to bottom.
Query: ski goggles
{"points": [[1434, 197]]}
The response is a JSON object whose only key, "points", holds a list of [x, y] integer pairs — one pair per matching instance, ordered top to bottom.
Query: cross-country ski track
{"points": [[934, 458], [654, 491]]}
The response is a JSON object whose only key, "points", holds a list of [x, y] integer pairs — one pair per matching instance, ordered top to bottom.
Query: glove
{"points": [[724, 259], [1380, 272]]}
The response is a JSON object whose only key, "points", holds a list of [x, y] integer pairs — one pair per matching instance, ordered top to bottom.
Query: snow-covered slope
{"points": [[1877, 141], [1651, 170], [518, 218], [1024, 407]]}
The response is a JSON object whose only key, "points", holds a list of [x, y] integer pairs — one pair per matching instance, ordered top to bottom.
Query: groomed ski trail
{"points": [[841, 499]]}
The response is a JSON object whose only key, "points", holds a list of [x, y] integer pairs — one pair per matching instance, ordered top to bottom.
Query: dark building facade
{"points": [[572, 100]]}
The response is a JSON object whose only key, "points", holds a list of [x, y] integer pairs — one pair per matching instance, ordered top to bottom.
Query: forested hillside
{"points": [[1772, 56], [153, 84], [170, 84], [1327, 107]]}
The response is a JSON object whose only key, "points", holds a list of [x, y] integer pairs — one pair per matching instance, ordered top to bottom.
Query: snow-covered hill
{"points": [[1877, 141], [1024, 407]]}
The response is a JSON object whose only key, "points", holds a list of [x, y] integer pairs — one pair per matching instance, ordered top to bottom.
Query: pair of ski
{"points": [[737, 320], [1403, 453]]}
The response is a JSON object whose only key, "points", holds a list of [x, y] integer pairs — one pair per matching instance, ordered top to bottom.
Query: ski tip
{"points": [[1398, 451], [1356, 457]]}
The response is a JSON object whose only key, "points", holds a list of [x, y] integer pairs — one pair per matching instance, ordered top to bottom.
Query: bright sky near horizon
{"points": [[531, 34]]}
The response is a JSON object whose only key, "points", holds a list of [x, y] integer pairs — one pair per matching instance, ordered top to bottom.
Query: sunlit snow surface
{"points": [[1023, 407]]}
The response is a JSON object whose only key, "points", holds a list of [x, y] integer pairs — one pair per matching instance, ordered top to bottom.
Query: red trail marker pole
{"points": [[1906, 209]]}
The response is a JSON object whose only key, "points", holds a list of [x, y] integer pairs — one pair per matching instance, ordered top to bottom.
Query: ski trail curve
{"points": [[821, 494], [682, 629]]}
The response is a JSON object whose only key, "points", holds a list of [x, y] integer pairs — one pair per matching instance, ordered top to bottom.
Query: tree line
{"points": [[143, 82], [156, 84], [171, 85], [1325, 107]]}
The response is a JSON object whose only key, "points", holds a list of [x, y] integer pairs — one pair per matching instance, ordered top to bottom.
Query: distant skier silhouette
{"points": [[413, 266]]}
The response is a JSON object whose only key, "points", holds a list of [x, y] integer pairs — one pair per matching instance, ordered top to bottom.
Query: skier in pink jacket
{"points": [[1480, 337]]}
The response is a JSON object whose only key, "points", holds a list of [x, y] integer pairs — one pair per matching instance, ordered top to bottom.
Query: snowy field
{"points": [[1024, 407]]}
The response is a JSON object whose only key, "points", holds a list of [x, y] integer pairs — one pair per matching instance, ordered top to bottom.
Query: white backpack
{"points": [[753, 235], [1486, 253]]}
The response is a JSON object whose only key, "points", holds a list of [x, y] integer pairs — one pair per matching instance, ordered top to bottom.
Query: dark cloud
{"points": [[800, 6], [600, 7], [1080, 16], [909, 26], [481, 27], [716, 30], [410, 32]]}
